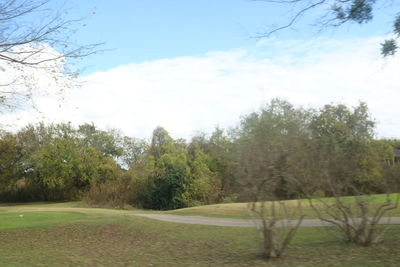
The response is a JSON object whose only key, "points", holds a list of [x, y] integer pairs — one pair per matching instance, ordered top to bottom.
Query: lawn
{"points": [[240, 210], [18, 220], [101, 237]]}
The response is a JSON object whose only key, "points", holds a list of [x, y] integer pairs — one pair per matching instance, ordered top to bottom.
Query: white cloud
{"points": [[186, 94]]}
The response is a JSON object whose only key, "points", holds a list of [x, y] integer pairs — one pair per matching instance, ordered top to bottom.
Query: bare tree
{"points": [[36, 50], [261, 175], [357, 217], [279, 224]]}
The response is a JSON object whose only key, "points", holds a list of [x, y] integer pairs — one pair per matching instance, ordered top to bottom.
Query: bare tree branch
{"points": [[28, 44]]}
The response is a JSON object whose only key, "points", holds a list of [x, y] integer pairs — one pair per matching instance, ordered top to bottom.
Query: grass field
{"points": [[240, 210], [32, 220], [67, 234]]}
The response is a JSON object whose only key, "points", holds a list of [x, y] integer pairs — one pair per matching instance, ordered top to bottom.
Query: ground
{"points": [[71, 236]]}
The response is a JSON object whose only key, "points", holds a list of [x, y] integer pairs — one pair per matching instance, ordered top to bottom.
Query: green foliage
{"points": [[359, 11], [389, 47], [105, 142], [266, 142], [161, 143], [219, 148], [343, 149], [384, 149], [134, 151], [279, 152], [8, 160], [53, 162], [67, 169], [140, 173], [392, 174], [168, 179], [204, 186], [168, 188], [110, 193]]}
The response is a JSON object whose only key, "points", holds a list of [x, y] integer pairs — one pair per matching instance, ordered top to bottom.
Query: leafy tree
{"points": [[106, 142], [394, 142], [161, 143], [265, 143], [343, 144], [220, 148], [384, 150], [134, 151], [49, 162], [9, 165], [349, 165], [54, 169], [63, 170], [141, 173], [169, 178], [168, 184], [204, 186]]}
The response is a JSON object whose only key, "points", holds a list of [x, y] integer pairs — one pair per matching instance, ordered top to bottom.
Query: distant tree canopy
{"points": [[338, 12], [279, 152], [53, 162]]}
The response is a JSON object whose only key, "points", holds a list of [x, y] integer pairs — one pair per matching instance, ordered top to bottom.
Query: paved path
{"points": [[179, 218], [240, 222]]}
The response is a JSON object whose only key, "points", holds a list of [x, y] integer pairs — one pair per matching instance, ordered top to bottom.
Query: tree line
{"points": [[279, 152]]}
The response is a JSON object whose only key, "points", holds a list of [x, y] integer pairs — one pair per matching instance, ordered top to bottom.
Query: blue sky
{"points": [[139, 30], [193, 65]]}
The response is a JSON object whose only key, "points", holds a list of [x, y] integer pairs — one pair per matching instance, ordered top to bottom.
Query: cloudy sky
{"points": [[194, 65]]}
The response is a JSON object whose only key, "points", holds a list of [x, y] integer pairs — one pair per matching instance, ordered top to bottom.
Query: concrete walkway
{"points": [[203, 220], [242, 222]]}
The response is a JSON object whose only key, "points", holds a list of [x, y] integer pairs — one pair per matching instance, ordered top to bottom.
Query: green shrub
{"points": [[114, 194]]}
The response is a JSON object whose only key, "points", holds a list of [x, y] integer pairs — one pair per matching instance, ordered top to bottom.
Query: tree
{"points": [[337, 13], [36, 48], [106, 142], [161, 142], [265, 144], [220, 149], [344, 149], [134, 151], [385, 151], [9, 161], [50, 163], [349, 167], [168, 179], [168, 184], [204, 186]]}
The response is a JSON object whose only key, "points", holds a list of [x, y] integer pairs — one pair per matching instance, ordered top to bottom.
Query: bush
{"points": [[392, 176], [166, 190], [114, 194]]}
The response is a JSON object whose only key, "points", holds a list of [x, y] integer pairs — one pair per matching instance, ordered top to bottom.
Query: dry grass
{"points": [[240, 210], [100, 238]]}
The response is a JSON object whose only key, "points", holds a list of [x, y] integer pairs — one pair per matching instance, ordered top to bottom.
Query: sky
{"points": [[190, 66]]}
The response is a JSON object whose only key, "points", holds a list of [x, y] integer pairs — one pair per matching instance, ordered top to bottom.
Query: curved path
{"points": [[202, 220], [242, 222]]}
